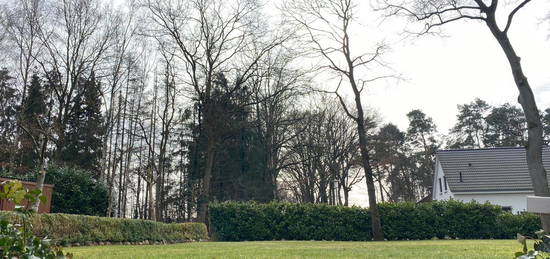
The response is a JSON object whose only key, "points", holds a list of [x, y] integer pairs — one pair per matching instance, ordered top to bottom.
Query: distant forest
{"points": [[171, 107]]}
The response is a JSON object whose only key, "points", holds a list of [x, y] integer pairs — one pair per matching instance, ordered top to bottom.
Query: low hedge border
{"points": [[249, 221], [64, 229]]}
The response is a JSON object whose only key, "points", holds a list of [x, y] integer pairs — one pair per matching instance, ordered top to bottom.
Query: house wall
{"points": [[440, 193], [518, 201]]}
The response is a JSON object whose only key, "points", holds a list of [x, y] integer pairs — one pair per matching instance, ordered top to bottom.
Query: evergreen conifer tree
{"points": [[8, 119], [32, 119], [85, 128]]}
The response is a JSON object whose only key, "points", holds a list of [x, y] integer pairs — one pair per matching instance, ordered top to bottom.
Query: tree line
{"points": [[199, 105]]}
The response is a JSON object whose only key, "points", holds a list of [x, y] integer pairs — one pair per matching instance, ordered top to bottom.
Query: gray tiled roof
{"points": [[486, 170]]}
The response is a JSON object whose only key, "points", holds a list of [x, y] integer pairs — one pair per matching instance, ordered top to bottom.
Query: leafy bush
{"points": [[76, 192], [238, 221], [508, 225], [67, 228], [16, 238]]}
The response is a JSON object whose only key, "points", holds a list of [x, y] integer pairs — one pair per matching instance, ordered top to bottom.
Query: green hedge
{"points": [[238, 221], [508, 225], [68, 228]]}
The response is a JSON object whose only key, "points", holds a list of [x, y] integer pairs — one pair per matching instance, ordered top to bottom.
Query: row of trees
{"points": [[194, 105], [28, 124], [481, 125]]}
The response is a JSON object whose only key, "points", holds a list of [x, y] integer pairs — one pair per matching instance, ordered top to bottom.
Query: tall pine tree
{"points": [[8, 119], [32, 120], [506, 127], [85, 128], [470, 128], [421, 137], [239, 171]]}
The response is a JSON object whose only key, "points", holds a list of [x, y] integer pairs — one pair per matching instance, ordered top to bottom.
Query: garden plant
{"points": [[18, 240]]}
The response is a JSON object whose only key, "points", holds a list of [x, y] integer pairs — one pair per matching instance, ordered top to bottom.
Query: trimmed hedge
{"points": [[248, 221], [276, 221], [508, 225], [68, 228]]}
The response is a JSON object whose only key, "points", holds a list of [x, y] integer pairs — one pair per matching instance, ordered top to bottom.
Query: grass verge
{"points": [[472, 249]]}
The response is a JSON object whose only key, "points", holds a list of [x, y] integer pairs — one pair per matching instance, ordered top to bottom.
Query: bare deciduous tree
{"points": [[22, 22], [327, 24], [75, 37], [277, 85], [323, 158]]}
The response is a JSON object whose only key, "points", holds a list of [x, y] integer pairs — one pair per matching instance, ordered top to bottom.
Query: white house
{"points": [[496, 175]]}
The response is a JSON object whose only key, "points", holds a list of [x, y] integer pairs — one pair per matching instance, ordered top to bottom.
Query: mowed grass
{"points": [[470, 249]]}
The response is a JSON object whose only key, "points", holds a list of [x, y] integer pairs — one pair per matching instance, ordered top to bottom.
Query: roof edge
{"points": [[476, 149], [493, 191]]}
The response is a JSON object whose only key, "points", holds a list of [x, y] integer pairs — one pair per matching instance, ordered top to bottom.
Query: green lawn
{"points": [[310, 249]]}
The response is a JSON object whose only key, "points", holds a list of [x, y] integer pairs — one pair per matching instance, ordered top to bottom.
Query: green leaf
{"points": [[35, 192], [518, 254]]}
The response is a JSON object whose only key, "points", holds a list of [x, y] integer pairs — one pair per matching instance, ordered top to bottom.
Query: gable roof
{"points": [[488, 170]]}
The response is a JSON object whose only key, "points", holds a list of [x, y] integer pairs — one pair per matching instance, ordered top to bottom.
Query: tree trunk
{"points": [[534, 125], [41, 173], [111, 175], [40, 186], [381, 189], [205, 194], [346, 196], [323, 197], [151, 202], [145, 209], [137, 211], [120, 212], [377, 233]]}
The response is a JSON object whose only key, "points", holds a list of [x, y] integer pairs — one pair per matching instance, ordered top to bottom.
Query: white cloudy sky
{"points": [[442, 72]]}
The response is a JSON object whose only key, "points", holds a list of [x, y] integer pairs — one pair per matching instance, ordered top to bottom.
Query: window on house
{"points": [[460, 176], [445, 180], [440, 187], [507, 208]]}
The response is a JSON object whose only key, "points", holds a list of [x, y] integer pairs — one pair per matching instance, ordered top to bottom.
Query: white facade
{"points": [[441, 190], [516, 201]]}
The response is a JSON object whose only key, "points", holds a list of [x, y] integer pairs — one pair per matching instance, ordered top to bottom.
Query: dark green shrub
{"points": [[76, 192], [465, 220], [238, 221], [286, 221], [409, 221], [508, 225], [67, 228]]}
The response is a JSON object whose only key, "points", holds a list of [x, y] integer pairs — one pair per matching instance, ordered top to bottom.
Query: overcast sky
{"points": [[442, 72]]}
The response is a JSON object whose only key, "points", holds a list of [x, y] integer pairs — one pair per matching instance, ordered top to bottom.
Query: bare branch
{"points": [[512, 13], [434, 14]]}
